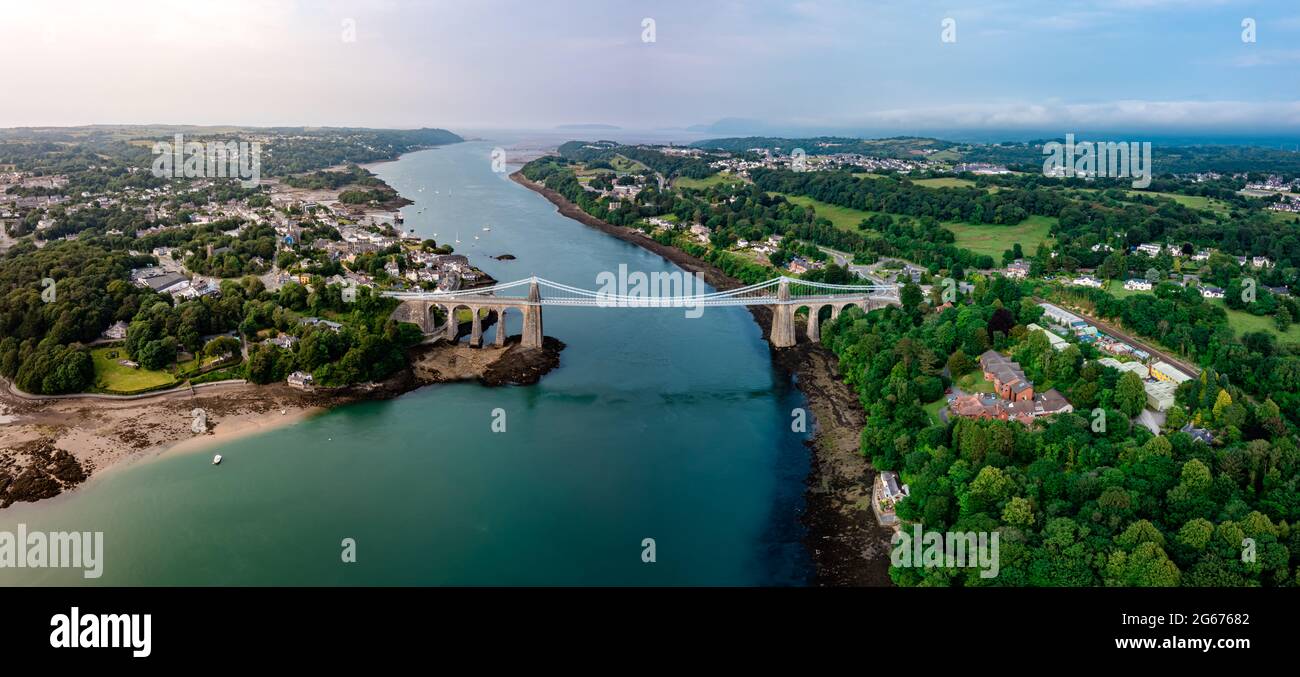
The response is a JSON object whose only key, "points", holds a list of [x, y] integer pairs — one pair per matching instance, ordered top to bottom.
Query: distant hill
{"points": [[908, 147]]}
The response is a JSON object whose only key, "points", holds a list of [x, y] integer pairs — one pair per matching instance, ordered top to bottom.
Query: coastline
{"points": [[53, 446], [847, 545]]}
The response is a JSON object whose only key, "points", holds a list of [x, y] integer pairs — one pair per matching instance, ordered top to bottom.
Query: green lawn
{"points": [[715, 180], [945, 182], [993, 239], [1117, 290], [109, 375], [975, 382], [933, 408]]}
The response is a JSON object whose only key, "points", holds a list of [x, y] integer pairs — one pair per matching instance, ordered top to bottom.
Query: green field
{"points": [[624, 165], [715, 180], [945, 182], [1189, 201], [843, 218], [981, 239], [993, 240], [1243, 322], [109, 375]]}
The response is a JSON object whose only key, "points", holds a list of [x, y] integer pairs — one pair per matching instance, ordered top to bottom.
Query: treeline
{"points": [[902, 147], [668, 165], [333, 180], [895, 196]]}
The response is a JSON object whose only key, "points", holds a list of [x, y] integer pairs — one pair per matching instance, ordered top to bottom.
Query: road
{"points": [[846, 260]]}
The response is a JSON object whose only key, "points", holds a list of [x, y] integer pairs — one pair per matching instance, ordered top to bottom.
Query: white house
{"points": [[1018, 269], [1137, 284]]}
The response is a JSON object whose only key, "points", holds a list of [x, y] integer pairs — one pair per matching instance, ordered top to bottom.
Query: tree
{"points": [[910, 296], [1282, 320], [220, 346], [958, 364], [1130, 395], [1019, 512]]}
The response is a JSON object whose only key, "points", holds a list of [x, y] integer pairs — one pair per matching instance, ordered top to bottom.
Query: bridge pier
{"points": [[783, 318], [452, 327], [814, 327], [476, 334], [532, 337], [500, 340]]}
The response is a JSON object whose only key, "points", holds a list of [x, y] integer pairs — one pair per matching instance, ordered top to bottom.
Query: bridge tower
{"points": [[783, 317], [532, 337]]}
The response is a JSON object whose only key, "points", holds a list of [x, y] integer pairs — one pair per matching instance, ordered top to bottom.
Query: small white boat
{"points": [[487, 227], [475, 237], [216, 460]]}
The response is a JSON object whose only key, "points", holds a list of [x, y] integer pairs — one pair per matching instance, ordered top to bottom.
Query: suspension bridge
{"points": [[783, 295]]}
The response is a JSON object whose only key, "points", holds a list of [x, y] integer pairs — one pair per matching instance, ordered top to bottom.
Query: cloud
{"points": [[1131, 114]]}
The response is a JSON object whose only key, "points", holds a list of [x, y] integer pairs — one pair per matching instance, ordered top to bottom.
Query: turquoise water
{"points": [[654, 426]]}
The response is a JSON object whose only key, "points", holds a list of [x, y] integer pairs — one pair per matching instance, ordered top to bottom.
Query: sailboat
{"points": [[458, 237]]}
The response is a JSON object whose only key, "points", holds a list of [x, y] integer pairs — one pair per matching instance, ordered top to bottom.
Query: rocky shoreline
{"points": [[847, 545]]}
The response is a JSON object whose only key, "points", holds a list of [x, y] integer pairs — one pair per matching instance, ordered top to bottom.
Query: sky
{"points": [[821, 65]]}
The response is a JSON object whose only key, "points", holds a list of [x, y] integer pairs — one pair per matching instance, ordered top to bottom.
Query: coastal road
{"points": [[846, 260]]}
